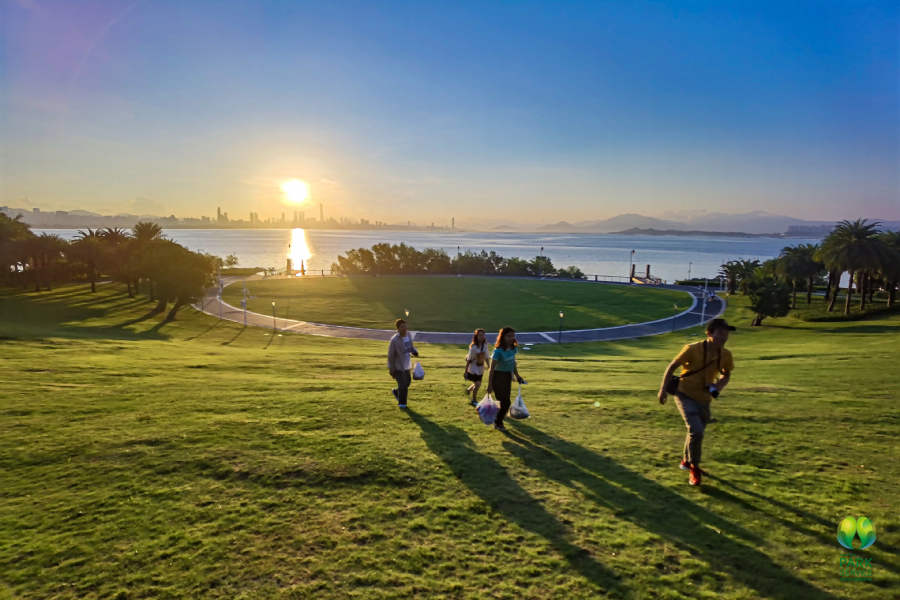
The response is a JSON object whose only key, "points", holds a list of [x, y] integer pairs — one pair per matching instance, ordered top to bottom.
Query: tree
{"points": [[143, 233], [89, 248], [855, 248], [50, 250], [13, 254], [118, 256], [231, 261], [541, 265], [799, 266], [891, 270], [731, 271], [572, 272], [746, 272], [181, 276], [768, 297]]}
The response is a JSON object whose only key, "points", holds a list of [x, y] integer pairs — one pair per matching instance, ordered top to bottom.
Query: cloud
{"points": [[23, 202], [145, 206]]}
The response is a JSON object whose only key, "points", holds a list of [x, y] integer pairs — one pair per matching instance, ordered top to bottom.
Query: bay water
{"points": [[669, 257]]}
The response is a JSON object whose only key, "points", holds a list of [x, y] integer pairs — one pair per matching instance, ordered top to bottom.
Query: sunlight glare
{"points": [[295, 191], [299, 248]]}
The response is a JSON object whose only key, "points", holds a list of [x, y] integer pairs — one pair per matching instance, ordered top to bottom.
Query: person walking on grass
{"points": [[475, 360], [398, 362], [503, 368], [705, 371]]}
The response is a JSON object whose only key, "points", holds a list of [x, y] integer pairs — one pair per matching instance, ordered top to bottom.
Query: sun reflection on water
{"points": [[299, 252]]}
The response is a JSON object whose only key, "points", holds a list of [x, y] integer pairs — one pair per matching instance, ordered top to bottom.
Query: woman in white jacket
{"points": [[476, 362]]}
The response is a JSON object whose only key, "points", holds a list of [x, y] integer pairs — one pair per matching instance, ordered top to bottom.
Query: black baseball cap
{"points": [[719, 324]]}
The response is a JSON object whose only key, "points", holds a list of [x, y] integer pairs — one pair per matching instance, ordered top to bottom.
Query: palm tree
{"points": [[143, 233], [118, 242], [854, 247], [51, 248], [89, 248], [798, 265], [891, 269], [731, 271], [747, 272]]}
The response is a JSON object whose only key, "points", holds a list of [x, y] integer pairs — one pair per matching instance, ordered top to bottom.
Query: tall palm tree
{"points": [[144, 233], [118, 243], [854, 247], [89, 248], [52, 249], [798, 265], [891, 269], [731, 271], [747, 272]]}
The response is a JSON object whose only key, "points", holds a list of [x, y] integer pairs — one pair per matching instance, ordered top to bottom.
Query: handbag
{"points": [[672, 384]]}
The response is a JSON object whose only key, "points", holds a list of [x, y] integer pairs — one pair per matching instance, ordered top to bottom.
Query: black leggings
{"points": [[502, 389]]}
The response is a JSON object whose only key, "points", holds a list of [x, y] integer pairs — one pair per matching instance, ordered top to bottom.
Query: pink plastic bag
{"points": [[487, 410]]}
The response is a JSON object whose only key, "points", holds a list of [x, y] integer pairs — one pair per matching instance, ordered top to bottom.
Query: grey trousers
{"points": [[695, 416]]}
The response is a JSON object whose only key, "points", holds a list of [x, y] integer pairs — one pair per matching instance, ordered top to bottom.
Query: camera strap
{"points": [[703, 368]]}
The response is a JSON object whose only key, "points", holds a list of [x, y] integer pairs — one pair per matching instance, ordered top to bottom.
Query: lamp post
{"points": [[457, 261], [630, 263], [541, 264], [689, 272], [407, 312], [673, 318], [274, 325], [560, 327]]}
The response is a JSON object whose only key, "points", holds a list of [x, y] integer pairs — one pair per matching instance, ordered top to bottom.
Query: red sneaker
{"points": [[685, 465], [695, 476]]}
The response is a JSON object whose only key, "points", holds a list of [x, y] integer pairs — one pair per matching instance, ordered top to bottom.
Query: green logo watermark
{"points": [[850, 528], [855, 568]]}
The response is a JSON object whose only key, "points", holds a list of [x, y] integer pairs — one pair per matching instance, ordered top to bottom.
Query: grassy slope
{"points": [[453, 304], [194, 459]]}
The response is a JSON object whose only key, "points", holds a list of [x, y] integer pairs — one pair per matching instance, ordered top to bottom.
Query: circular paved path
{"points": [[211, 305]]}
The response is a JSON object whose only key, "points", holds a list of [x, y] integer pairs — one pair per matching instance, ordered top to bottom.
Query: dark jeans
{"points": [[403, 380], [502, 389], [696, 416]]}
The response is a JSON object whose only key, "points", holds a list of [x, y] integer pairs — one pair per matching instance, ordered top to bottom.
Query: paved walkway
{"points": [[689, 318]]}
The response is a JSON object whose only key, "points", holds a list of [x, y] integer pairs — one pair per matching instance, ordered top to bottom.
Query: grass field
{"points": [[457, 304], [197, 459]]}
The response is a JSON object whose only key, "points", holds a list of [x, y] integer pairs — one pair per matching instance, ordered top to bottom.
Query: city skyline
{"points": [[544, 113]]}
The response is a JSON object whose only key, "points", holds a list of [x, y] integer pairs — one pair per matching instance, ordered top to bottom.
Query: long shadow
{"points": [[236, 336], [488, 479], [657, 509], [825, 524]]}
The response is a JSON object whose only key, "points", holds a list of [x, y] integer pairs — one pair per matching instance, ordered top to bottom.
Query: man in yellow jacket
{"points": [[705, 371]]}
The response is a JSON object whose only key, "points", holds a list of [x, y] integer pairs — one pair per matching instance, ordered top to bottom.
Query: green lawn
{"points": [[457, 304], [197, 459]]}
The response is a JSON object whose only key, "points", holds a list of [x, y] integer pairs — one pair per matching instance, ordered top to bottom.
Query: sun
{"points": [[295, 191]]}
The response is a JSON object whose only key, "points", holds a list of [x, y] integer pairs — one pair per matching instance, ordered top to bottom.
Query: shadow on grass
{"points": [[488, 480], [657, 509], [820, 524]]}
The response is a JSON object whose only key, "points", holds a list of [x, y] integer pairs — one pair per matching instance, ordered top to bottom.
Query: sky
{"points": [[425, 111]]}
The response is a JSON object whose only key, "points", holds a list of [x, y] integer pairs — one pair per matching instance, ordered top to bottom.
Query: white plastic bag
{"points": [[418, 372], [487, 410], [518, 410]]}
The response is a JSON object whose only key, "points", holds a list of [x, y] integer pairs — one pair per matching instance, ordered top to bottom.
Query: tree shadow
{"points": [[236, 336], [488, 479], [657, 509], [817, 533]]}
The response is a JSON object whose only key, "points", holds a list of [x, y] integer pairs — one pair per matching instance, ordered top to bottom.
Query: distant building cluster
{"points": [[61, 219]]}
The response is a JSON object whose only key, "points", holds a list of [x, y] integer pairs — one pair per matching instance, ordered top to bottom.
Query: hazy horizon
{"points": [[528, 113]]}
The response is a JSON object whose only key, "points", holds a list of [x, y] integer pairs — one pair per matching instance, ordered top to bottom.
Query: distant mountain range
{"points": [[756, 223]]}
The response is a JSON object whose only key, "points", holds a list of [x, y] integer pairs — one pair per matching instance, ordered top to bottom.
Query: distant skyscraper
{"points": [[321, 212], [453, 221]]}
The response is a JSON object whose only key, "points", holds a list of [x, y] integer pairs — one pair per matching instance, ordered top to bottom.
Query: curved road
{"points": [[211, 305]]}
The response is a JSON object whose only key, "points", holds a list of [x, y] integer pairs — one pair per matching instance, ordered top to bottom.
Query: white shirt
{"points": [[473, 367]]}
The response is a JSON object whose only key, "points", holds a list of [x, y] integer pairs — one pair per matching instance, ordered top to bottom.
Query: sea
{"points": [[607, 255]]}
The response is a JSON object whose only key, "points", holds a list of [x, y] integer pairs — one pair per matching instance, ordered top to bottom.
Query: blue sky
{"points": [[412, 110]]}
